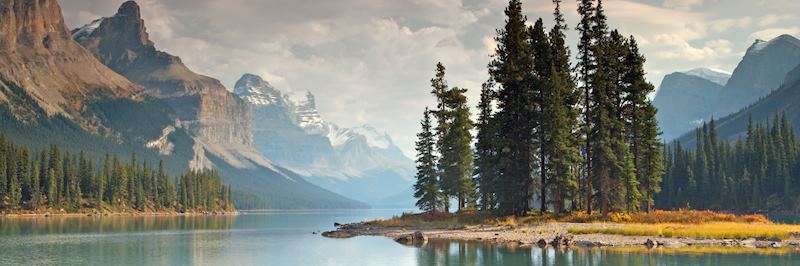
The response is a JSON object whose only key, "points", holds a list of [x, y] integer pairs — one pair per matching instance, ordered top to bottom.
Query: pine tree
{"points": [[511, 68], [486, 150], [457, 154], [426, 189]]}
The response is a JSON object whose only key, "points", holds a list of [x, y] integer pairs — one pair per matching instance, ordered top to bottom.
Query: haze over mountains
{"points": [[686, 100], [361, 162]]}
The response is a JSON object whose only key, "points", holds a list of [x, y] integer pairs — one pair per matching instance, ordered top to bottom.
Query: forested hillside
{"points": [[758, 172], [54, 179]]}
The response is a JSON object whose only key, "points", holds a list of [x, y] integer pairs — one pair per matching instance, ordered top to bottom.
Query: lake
{"points": [[286, 238]]}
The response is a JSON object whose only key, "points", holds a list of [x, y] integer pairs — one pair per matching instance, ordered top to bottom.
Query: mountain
{"points": [[38, 55], [761, 71], [717, 76], [54, 91], [686, 99], [786, 99], [683, 100], [219, 122], [362, 162]]}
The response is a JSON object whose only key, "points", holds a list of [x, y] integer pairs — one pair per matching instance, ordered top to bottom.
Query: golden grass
{"points": [[659, 216], [717, 230], [698, 250]]}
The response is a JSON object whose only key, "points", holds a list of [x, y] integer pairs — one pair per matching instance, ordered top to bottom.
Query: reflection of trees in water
{"points": [[112, 224], [162, 240], [474, 253]]}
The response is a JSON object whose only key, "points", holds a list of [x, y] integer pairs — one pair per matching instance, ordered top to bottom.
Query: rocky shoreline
{"points": [[542, 235]]}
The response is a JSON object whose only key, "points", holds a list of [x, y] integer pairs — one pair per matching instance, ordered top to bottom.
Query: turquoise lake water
{"points": [[286, 238]]}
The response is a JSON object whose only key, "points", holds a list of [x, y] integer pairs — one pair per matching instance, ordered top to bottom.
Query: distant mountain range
{"points": [[105, 87], [688, 99], [361, 162]]}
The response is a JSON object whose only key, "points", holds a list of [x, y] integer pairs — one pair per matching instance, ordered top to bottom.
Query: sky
{"points": [[370, 61]]}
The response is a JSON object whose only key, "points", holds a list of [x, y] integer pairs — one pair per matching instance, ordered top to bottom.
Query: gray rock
{"points": [[338, 234], [416, 239], [562, 240], [541, 243], [650, 243]]}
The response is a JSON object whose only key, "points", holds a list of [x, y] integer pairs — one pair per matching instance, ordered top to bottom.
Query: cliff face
{"points": [[38, 53], [761, 71], [684, 102], [206, 109]]}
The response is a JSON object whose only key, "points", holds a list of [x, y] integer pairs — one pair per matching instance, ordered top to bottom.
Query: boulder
{"points": [[338, 234], [417, 239], [562, 240], [541, 243], [650, 243]]}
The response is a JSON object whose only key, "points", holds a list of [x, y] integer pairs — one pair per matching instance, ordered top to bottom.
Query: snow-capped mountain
{"points": [[761, 71], [717, 76], [361, 162]]}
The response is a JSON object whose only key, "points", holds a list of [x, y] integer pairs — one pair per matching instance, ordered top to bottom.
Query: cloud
{"points": [[682, 4], [772, 19], [722, 25], [371, 61]]}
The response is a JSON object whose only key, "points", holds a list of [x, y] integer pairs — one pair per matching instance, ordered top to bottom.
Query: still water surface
{"points": [[285, 238]]}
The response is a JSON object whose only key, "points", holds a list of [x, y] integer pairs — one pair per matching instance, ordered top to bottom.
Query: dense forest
{"points": [[568, 136], [759, 172], [57, 179]]}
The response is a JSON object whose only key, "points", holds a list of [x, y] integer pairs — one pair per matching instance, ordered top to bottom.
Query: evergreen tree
{"points": [[511, 68], [585, 69], [486, 150], [426, 188]]}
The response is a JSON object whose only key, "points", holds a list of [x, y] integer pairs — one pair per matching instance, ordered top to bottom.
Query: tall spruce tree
{"points": [[511, 68], [585, 69], [542, 90], [560, 106], [486, 150], [457, 153], [426, 188]]}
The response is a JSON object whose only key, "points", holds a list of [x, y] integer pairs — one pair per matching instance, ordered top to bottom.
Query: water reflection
{"points": [[286, 238], [114, 240], [474, 253]]}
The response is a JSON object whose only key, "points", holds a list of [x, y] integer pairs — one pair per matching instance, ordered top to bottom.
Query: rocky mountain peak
{"points": [[129, 8], [32, 24], [782, 41], [38, 54], [761, 71], [255, 90]]}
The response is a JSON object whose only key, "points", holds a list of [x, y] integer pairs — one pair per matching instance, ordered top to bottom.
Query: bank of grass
{"points": [[467, 218], [678, 223], [716, 230]]}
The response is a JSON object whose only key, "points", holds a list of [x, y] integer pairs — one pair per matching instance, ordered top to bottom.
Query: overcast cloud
{"points": [[370, 62]]}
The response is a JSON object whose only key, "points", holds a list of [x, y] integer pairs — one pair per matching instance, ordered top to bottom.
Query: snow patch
{"points": [[86, 30], [720, 77]]}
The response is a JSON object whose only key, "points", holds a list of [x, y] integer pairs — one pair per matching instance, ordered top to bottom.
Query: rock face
{"points": [[38, 53], [760, 72], [785, 99], [684, 101], [211, 114], [362, 162]]}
